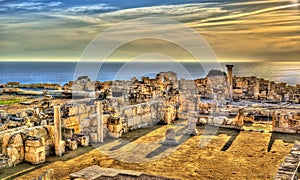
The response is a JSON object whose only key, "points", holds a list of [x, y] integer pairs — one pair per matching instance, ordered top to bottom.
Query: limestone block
{"points": [[121, 101], [114, 102], [82, 108], [153, 108], [88, 109], [93, 109], [147, 109], [74, 110], [139, 110], [134, 111], [128, 112], [153, 114], [183, 115], [83, 116], [105, 118], [146, 118], [139, 119], [73, 120], [136, 120], [94, 122], [130, 122], [85, 123], [192, 123], [283, 125], [93, 128], [117, 128], [192, 129], [50, 130], [86, 130], [38, 132], [94, 137], [170, 138], [5, 140], [84, 141], [17, 142], [33, 143], [73, 145], [63, 146], [27, 149], [22, 153], [15, 156], [36, 158]]}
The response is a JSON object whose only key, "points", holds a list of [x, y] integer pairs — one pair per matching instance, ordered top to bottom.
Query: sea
{"points": [[63, 72]]}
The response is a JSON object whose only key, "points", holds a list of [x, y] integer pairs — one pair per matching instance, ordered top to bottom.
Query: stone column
{"points": [[229, 79], [256, 89], [100, 121], [192, 123], [57, 131]]}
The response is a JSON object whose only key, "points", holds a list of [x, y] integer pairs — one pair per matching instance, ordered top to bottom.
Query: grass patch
{"points": [[10, 101]]}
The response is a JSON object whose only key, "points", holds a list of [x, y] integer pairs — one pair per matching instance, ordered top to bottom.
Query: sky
{"points": [[43, 30]]}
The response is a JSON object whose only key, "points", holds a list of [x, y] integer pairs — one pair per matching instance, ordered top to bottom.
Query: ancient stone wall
{"points": [[141, 115], [81, 116], [286, 122], [29, 144], [289, 168]]}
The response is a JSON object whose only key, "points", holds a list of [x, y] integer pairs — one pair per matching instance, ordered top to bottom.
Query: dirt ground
{"points": [[229, 155]]}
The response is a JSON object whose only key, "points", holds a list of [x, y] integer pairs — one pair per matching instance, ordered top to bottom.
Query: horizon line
{"points": [[145, 61]]}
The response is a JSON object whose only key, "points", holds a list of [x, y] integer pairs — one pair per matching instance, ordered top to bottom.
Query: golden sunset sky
{"points": [[43, 30]]}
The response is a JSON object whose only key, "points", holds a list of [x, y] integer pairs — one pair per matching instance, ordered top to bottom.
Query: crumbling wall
{"points": [[140, 115], [81, 116], [286, 122], [30, 144]]}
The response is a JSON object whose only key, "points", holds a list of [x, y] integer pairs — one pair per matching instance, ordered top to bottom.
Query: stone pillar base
{"points": [[192, 132], [170, 143]]}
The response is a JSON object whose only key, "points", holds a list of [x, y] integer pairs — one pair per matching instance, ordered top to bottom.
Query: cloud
{"points": [[29, 6], [97, 8], [266, 31]]}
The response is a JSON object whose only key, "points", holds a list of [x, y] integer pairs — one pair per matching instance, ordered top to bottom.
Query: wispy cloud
{"points": [[30, 5], [97, 8], [254, 30]]}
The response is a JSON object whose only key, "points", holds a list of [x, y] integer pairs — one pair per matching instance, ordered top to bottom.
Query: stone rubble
{"points": [[109, 109], [288, 170]]}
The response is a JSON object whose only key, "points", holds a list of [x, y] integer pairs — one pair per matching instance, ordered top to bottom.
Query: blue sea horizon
{"points": [[63, 72]]}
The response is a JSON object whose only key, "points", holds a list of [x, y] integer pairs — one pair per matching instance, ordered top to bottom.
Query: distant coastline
{"points": [[63, 72]]}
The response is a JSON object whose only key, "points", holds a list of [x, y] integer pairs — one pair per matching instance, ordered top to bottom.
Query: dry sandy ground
{"points": [[246, 158]]}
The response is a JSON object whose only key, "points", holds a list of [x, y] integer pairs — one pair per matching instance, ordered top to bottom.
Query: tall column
{"points": [[229, 79], [256, 89], [100, 121], [57, 131]]}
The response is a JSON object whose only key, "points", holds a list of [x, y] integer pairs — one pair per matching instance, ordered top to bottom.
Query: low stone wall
{"points": [[141, 115], [82, 117], [30, 144], [289, 168]]}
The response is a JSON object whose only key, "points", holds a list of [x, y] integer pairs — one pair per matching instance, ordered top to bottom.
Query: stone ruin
{"points": [[251, 88], [192, 122], [286, 122], [45, 129], [170, 138], [26, 144], [289, 168], [96, 172]]}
